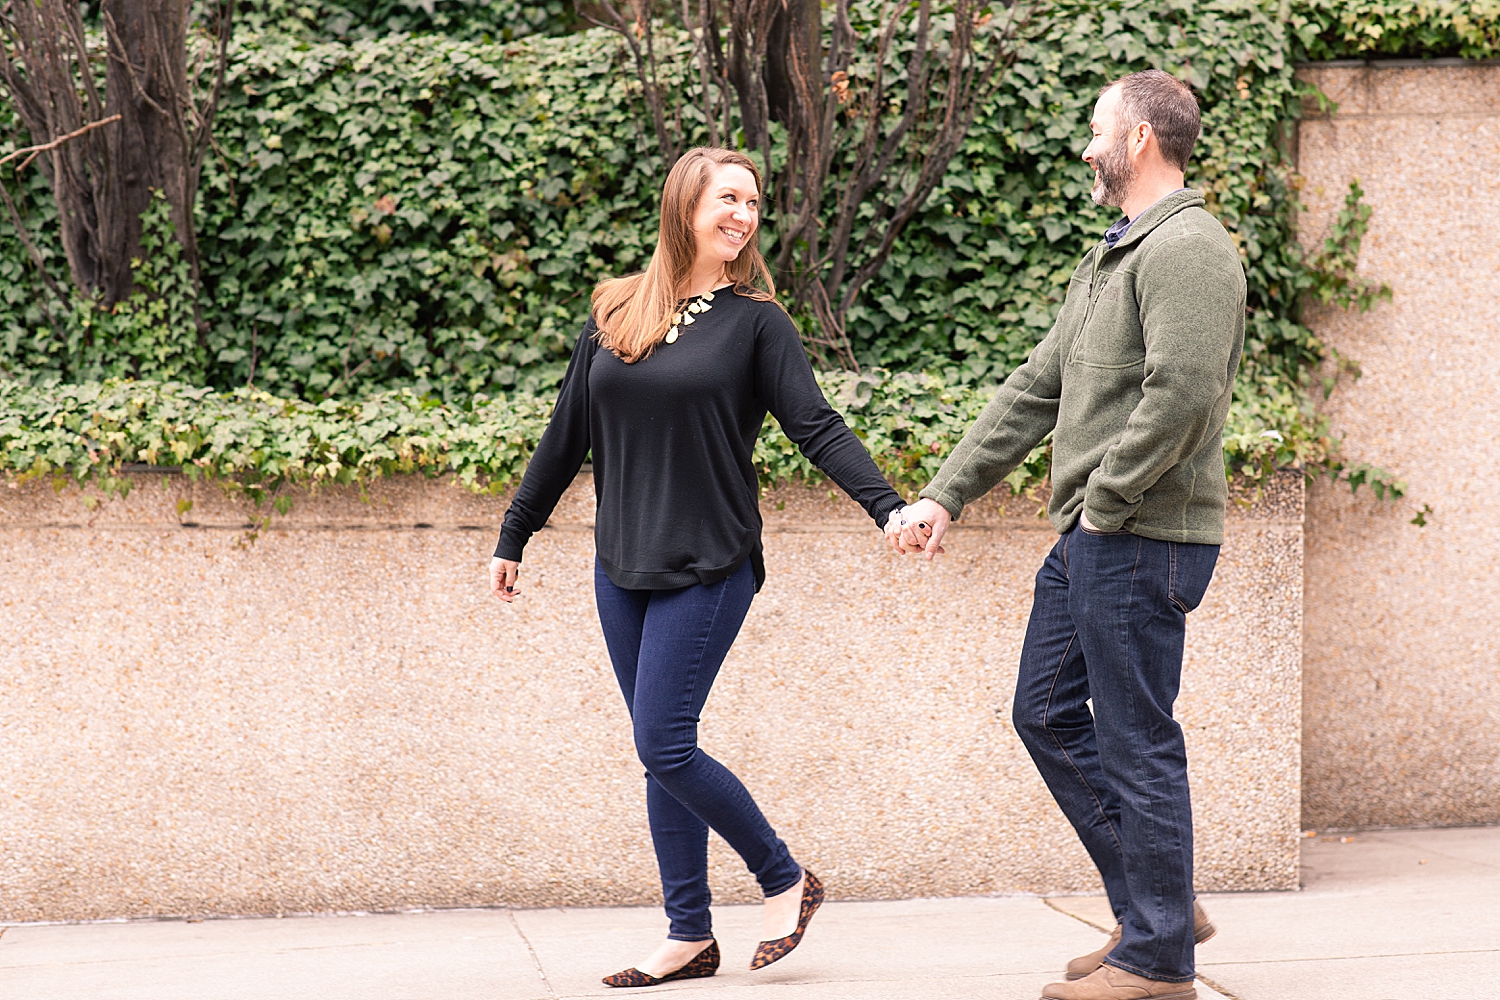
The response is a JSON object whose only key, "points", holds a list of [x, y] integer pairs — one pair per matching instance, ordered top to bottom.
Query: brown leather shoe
{"points": [[1203, 928], [1083, 965], [700, 966], [1110, 983]]}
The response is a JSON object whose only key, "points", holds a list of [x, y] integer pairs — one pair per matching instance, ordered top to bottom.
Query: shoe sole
{"points": [[697, 968]]}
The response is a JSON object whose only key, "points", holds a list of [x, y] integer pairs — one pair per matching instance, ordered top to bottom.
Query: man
{"points": [[1134, 381]]}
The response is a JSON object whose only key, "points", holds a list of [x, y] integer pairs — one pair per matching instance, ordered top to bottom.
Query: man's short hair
{"points": [[1168, 104]]}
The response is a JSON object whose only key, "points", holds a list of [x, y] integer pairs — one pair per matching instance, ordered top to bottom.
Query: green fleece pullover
{"points": [[1134, 381]]}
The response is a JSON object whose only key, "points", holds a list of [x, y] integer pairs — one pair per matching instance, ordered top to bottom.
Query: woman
{"points": [[668, 386]]}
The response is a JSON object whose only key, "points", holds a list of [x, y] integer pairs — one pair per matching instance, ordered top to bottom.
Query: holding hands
{"points": [[918, 527]]}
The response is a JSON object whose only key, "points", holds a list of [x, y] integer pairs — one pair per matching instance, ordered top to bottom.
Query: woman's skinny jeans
{"points": [[667, 646]]}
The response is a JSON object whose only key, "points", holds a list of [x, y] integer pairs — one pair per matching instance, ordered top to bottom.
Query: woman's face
{"points": [[727, 215]]}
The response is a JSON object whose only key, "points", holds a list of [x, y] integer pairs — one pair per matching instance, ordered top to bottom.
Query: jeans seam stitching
{"points": [[1135, 571], [1172, 578], [698, 658], [1152, 824]]}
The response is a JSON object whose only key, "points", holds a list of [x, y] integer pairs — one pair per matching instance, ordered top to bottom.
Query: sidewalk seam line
{"points": [[1082, 920], [541, 973], [1216, 987]]}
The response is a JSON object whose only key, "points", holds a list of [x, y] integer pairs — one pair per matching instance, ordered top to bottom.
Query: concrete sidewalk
{"points": [[1385, 915]]}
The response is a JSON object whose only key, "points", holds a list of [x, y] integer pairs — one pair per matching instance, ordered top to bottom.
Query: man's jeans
{"points": [[1107, 624]]}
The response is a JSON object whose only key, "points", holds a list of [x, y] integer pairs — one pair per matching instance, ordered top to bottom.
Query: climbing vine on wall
{"points": [[410, 220]]}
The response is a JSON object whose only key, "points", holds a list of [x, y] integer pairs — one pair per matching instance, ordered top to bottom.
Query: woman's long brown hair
{"points": [[634, 313]]}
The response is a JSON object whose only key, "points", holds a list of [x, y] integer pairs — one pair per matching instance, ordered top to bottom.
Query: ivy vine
{"points": [[400, 231]]}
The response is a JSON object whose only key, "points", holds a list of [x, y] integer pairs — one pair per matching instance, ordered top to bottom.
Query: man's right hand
{"points": [[926, 523]]}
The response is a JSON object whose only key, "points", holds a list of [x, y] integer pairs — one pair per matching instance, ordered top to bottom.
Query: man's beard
{"points": [[1113, 176]]}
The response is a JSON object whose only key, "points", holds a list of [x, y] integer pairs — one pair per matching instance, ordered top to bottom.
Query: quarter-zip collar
{"points": [[1158, 213], [1141, 227]]}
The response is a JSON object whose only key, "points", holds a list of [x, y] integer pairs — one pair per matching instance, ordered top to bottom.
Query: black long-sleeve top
{"points": [[672, 439]]}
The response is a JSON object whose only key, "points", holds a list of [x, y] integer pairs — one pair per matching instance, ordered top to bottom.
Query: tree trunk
{"points": [[798, 24], [45, 68], [146, 84], [102, 181]]}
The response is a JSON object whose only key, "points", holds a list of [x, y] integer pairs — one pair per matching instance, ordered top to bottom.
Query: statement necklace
{"points": [[696, 305]]}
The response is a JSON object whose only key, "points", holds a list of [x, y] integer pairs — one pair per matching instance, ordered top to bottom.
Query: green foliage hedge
{"points": [[409, 221], [908, 420], [259, 441]]}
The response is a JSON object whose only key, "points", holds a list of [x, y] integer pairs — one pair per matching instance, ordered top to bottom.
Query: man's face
{"points": [[1114, 174]]}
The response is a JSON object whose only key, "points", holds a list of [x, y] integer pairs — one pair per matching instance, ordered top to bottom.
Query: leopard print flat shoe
{"points": [[773, 951], [703, 965]]}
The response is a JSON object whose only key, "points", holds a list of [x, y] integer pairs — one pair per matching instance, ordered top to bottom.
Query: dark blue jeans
{"points": [[1107, 625], [666, 646]]}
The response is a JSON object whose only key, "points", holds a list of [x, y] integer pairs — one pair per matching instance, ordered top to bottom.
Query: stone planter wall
{"points": [[337, 715]]}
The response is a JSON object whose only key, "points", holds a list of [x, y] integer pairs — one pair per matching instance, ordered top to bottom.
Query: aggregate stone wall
{"points": [[1402, 661], [336, 715]]}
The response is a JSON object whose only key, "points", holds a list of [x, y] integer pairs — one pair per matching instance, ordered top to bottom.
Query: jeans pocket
{"points": [[1095, 531], [1192, 569]]}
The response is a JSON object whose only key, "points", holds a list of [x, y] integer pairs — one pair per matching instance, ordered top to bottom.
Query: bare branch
{"points": [[81, 55], [702, 56], [645, 66], [968, 80], [152, 81], [963, 103], [205, 118], [36, 151]]}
